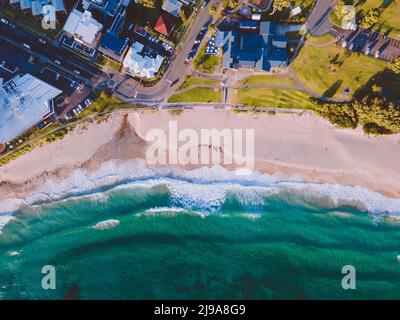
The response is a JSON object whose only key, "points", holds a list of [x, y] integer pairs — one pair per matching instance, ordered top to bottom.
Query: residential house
{"points": [[173, 7], [164, 25], [141, 61]]}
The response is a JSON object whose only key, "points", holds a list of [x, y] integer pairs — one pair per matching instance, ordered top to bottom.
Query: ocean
{"points": [[176, 236]]}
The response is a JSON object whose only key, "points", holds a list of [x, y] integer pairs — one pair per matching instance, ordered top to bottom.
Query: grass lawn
{"points": [[320, 40], [104, 61], [206, 63], [311, 66], [268, 79], [191, 81], [197, 95], [273, 98], [102, 104]]}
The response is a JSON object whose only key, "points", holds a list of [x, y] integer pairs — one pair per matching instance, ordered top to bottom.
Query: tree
{"points": [[149, 3], [231, 3], [279, 5], [212, 10], [340, 10], [371, 18], [395, 66], [377, 89], [379, 111], [340, 114], [374, 129]]}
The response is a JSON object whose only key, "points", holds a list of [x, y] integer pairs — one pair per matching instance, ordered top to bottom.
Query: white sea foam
{"points": [[205, 189], [4, 219], [106, 224], [13, 253]]}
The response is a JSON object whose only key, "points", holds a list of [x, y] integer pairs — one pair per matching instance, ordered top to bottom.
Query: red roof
{"points": [[162, 26]]}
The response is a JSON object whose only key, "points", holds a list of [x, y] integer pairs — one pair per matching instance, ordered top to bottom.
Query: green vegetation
{"points": [[149, 3], [231, 4], [280, 5], [212, 10], [340, 11], [282, 13], [136, 14], [375, 14], [371, 18], [320, 40], [104, 61], [206, 63], [314, 65], [395, 66], [268, 79], [192, 81], [197, 95], [274, 98], [103, 104], [376, 114], [342, 115]]}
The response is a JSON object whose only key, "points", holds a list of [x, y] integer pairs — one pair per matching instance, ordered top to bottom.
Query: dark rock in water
{"points": [[72, 293]]}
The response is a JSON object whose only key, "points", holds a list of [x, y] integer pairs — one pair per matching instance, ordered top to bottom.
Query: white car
{"points": [[42, 41], [344, 44], [26, 46], [351, 46], [377, 53], [57, 62], [77, 72]]}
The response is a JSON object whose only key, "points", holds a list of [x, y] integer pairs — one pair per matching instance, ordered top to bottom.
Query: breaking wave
{"points": [[204, 190]]}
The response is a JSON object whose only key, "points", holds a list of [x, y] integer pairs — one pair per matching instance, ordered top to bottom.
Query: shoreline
{"points": [[287, 147]]}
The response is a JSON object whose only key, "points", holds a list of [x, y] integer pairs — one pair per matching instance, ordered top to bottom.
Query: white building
{"points": [[83, 28], [142, 62], [24, 102]]}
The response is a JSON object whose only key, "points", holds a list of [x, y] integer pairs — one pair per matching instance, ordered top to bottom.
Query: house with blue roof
{"points": [[112, 45], [253, 46]]}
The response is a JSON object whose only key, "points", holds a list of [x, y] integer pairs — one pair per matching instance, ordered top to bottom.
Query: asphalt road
{"points": [[318, 23], [49, 53]]}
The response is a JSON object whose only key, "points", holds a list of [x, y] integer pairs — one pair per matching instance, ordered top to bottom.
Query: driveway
{"points": [[318, 22]]}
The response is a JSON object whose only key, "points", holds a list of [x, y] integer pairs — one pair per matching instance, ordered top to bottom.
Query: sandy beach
{"points": [[286, 145]]}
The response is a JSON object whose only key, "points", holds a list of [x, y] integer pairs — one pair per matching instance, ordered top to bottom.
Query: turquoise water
{"points": [[166, 247]]}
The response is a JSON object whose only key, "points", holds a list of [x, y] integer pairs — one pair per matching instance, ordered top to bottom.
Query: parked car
{"points": [[42, 41], [26, 46], [351, 46], [377, 53], [57, 62], [77, 72], [88, 102]]}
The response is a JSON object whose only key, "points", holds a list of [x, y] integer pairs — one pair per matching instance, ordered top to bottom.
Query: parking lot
{"points": [[368, 42]]}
